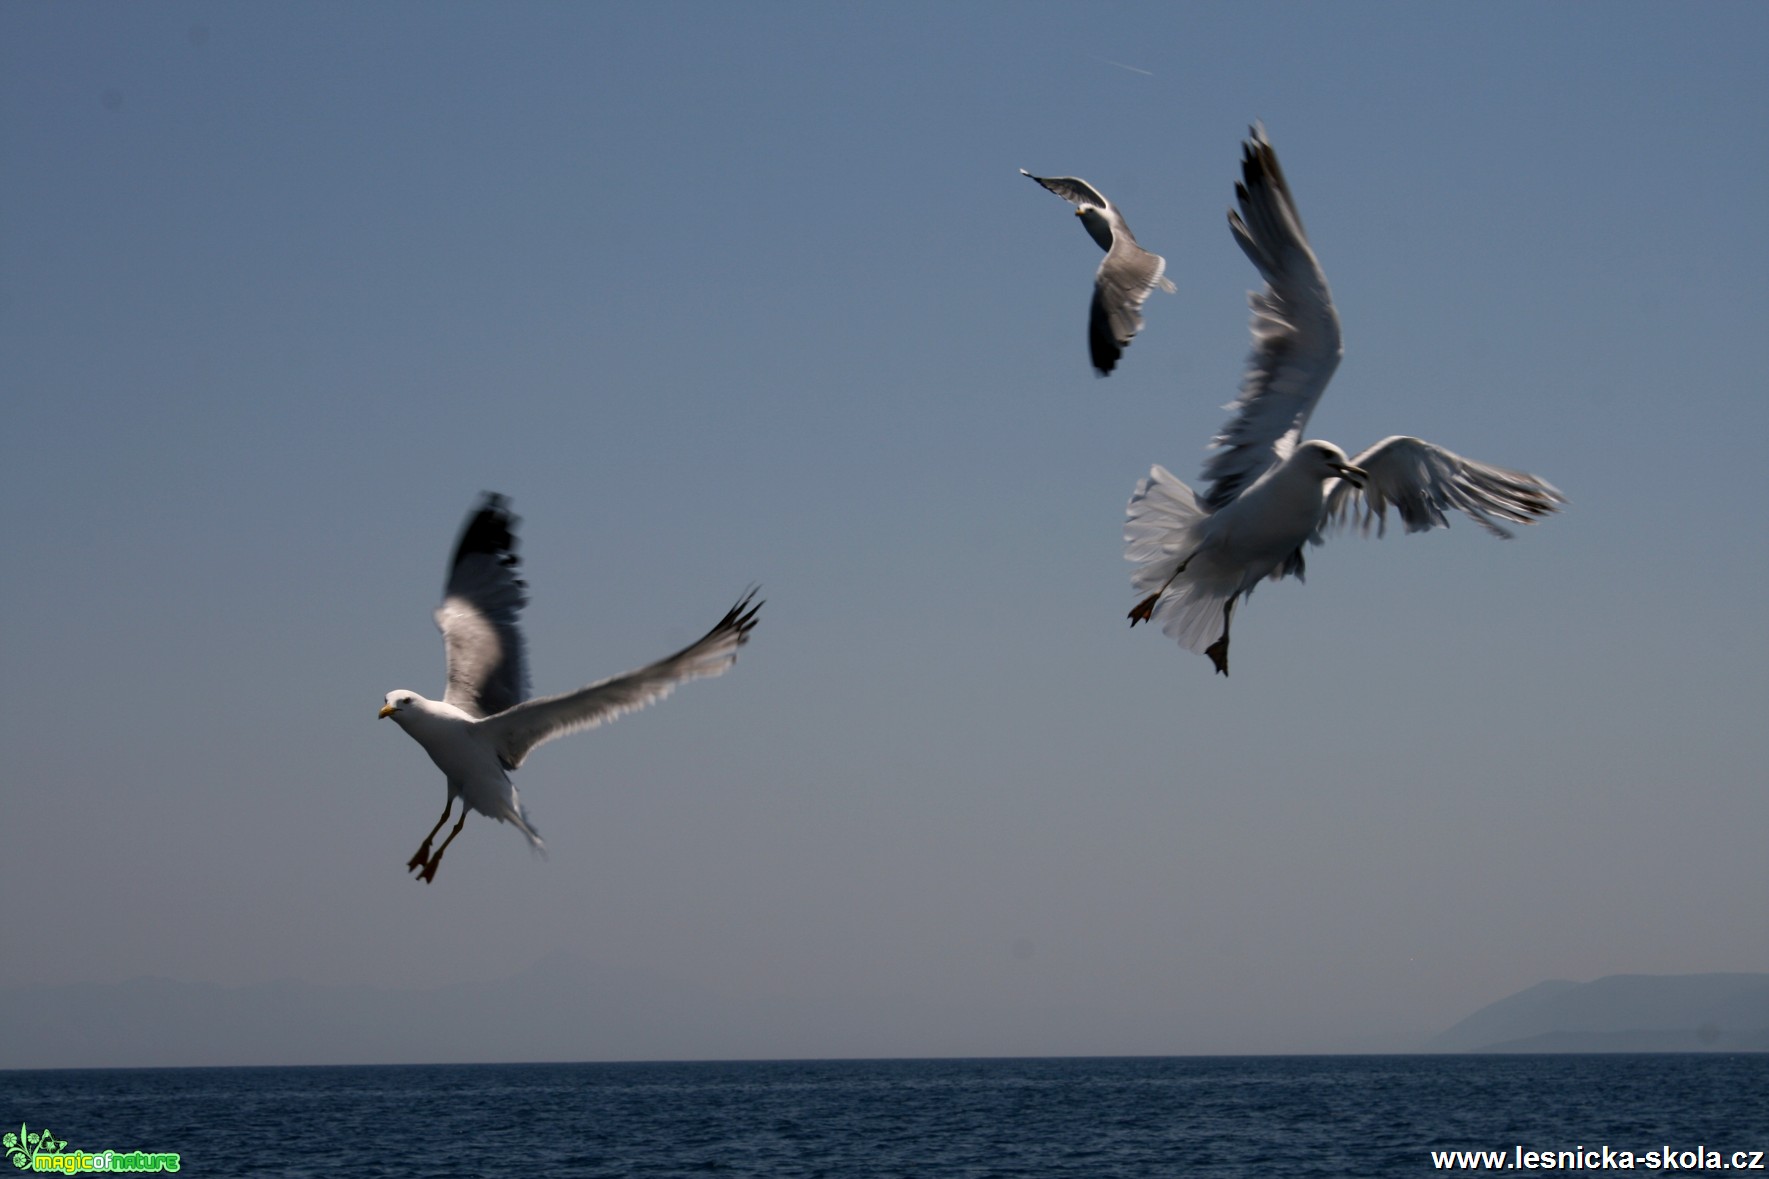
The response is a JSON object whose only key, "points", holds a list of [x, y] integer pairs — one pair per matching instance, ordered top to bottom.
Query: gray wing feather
{"points": [[1072, 189], [1122, 284], [1296, 340], [1421, 481], [481, 604], [517, 731]]}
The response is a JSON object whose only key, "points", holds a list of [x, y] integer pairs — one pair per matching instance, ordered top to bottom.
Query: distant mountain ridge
{"points": [[568, 1007], [1622, 1013]]}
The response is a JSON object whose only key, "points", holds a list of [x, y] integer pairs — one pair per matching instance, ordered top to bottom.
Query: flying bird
{"points": [[1125, 277], [1270, 492], [485, 724]]}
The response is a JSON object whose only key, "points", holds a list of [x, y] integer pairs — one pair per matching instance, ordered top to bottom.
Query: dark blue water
{"points": [[952, 1119]]}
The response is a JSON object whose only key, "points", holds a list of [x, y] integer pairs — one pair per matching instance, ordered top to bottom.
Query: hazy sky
{"points": [[724, 294]]}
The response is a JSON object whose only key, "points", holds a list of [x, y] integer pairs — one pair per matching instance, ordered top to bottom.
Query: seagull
{"points": [[1125, 277], [1270, 492], [485, 724]]}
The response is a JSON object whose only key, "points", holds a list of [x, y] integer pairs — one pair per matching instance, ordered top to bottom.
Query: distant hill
{"points": [[569, 1007], [1622, 1013]]}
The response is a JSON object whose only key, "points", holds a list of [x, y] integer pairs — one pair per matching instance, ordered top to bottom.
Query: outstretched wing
{"points": [[1072, 189], [1296, 341], [1420, 481], [487, 666], [517, 731]]}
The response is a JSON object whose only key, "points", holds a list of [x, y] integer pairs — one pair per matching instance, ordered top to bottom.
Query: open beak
{"points": [[1352, 475], [387, 710]]}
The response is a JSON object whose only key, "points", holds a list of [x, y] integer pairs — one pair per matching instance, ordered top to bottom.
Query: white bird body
{"points": [[1271, 493], [1282, 509], [1203, 559], [485, 725], [457, 743]]}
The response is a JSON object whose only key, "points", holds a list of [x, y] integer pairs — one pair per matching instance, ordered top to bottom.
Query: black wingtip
{"points": [[1259, 163], [1104, 351], [490, 529], [742, 616]]}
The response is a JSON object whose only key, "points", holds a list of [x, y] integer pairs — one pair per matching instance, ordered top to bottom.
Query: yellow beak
{"points": [[387, 710]]}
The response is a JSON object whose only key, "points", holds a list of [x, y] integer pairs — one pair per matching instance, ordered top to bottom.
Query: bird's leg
{"points": [[1144, 610], [1218, 651], [423, 855], [429, 872]]}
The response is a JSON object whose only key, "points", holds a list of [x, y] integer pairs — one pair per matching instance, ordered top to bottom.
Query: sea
{"points": [[943, 1119]]}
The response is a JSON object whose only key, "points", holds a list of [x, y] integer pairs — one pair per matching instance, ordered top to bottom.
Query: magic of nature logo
{"points": [[39, 1150]]}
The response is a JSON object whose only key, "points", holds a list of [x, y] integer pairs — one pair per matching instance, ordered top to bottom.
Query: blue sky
{"points": [[734, 294]]}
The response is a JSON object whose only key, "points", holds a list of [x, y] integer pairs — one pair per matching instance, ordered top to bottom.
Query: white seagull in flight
{"points": [[1125, 277], [1271, 492], [485, 724]]}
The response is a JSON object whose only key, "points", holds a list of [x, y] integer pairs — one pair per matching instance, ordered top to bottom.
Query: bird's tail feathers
{"points": [[1163, 527], [1190, 613], [515, 814]]}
